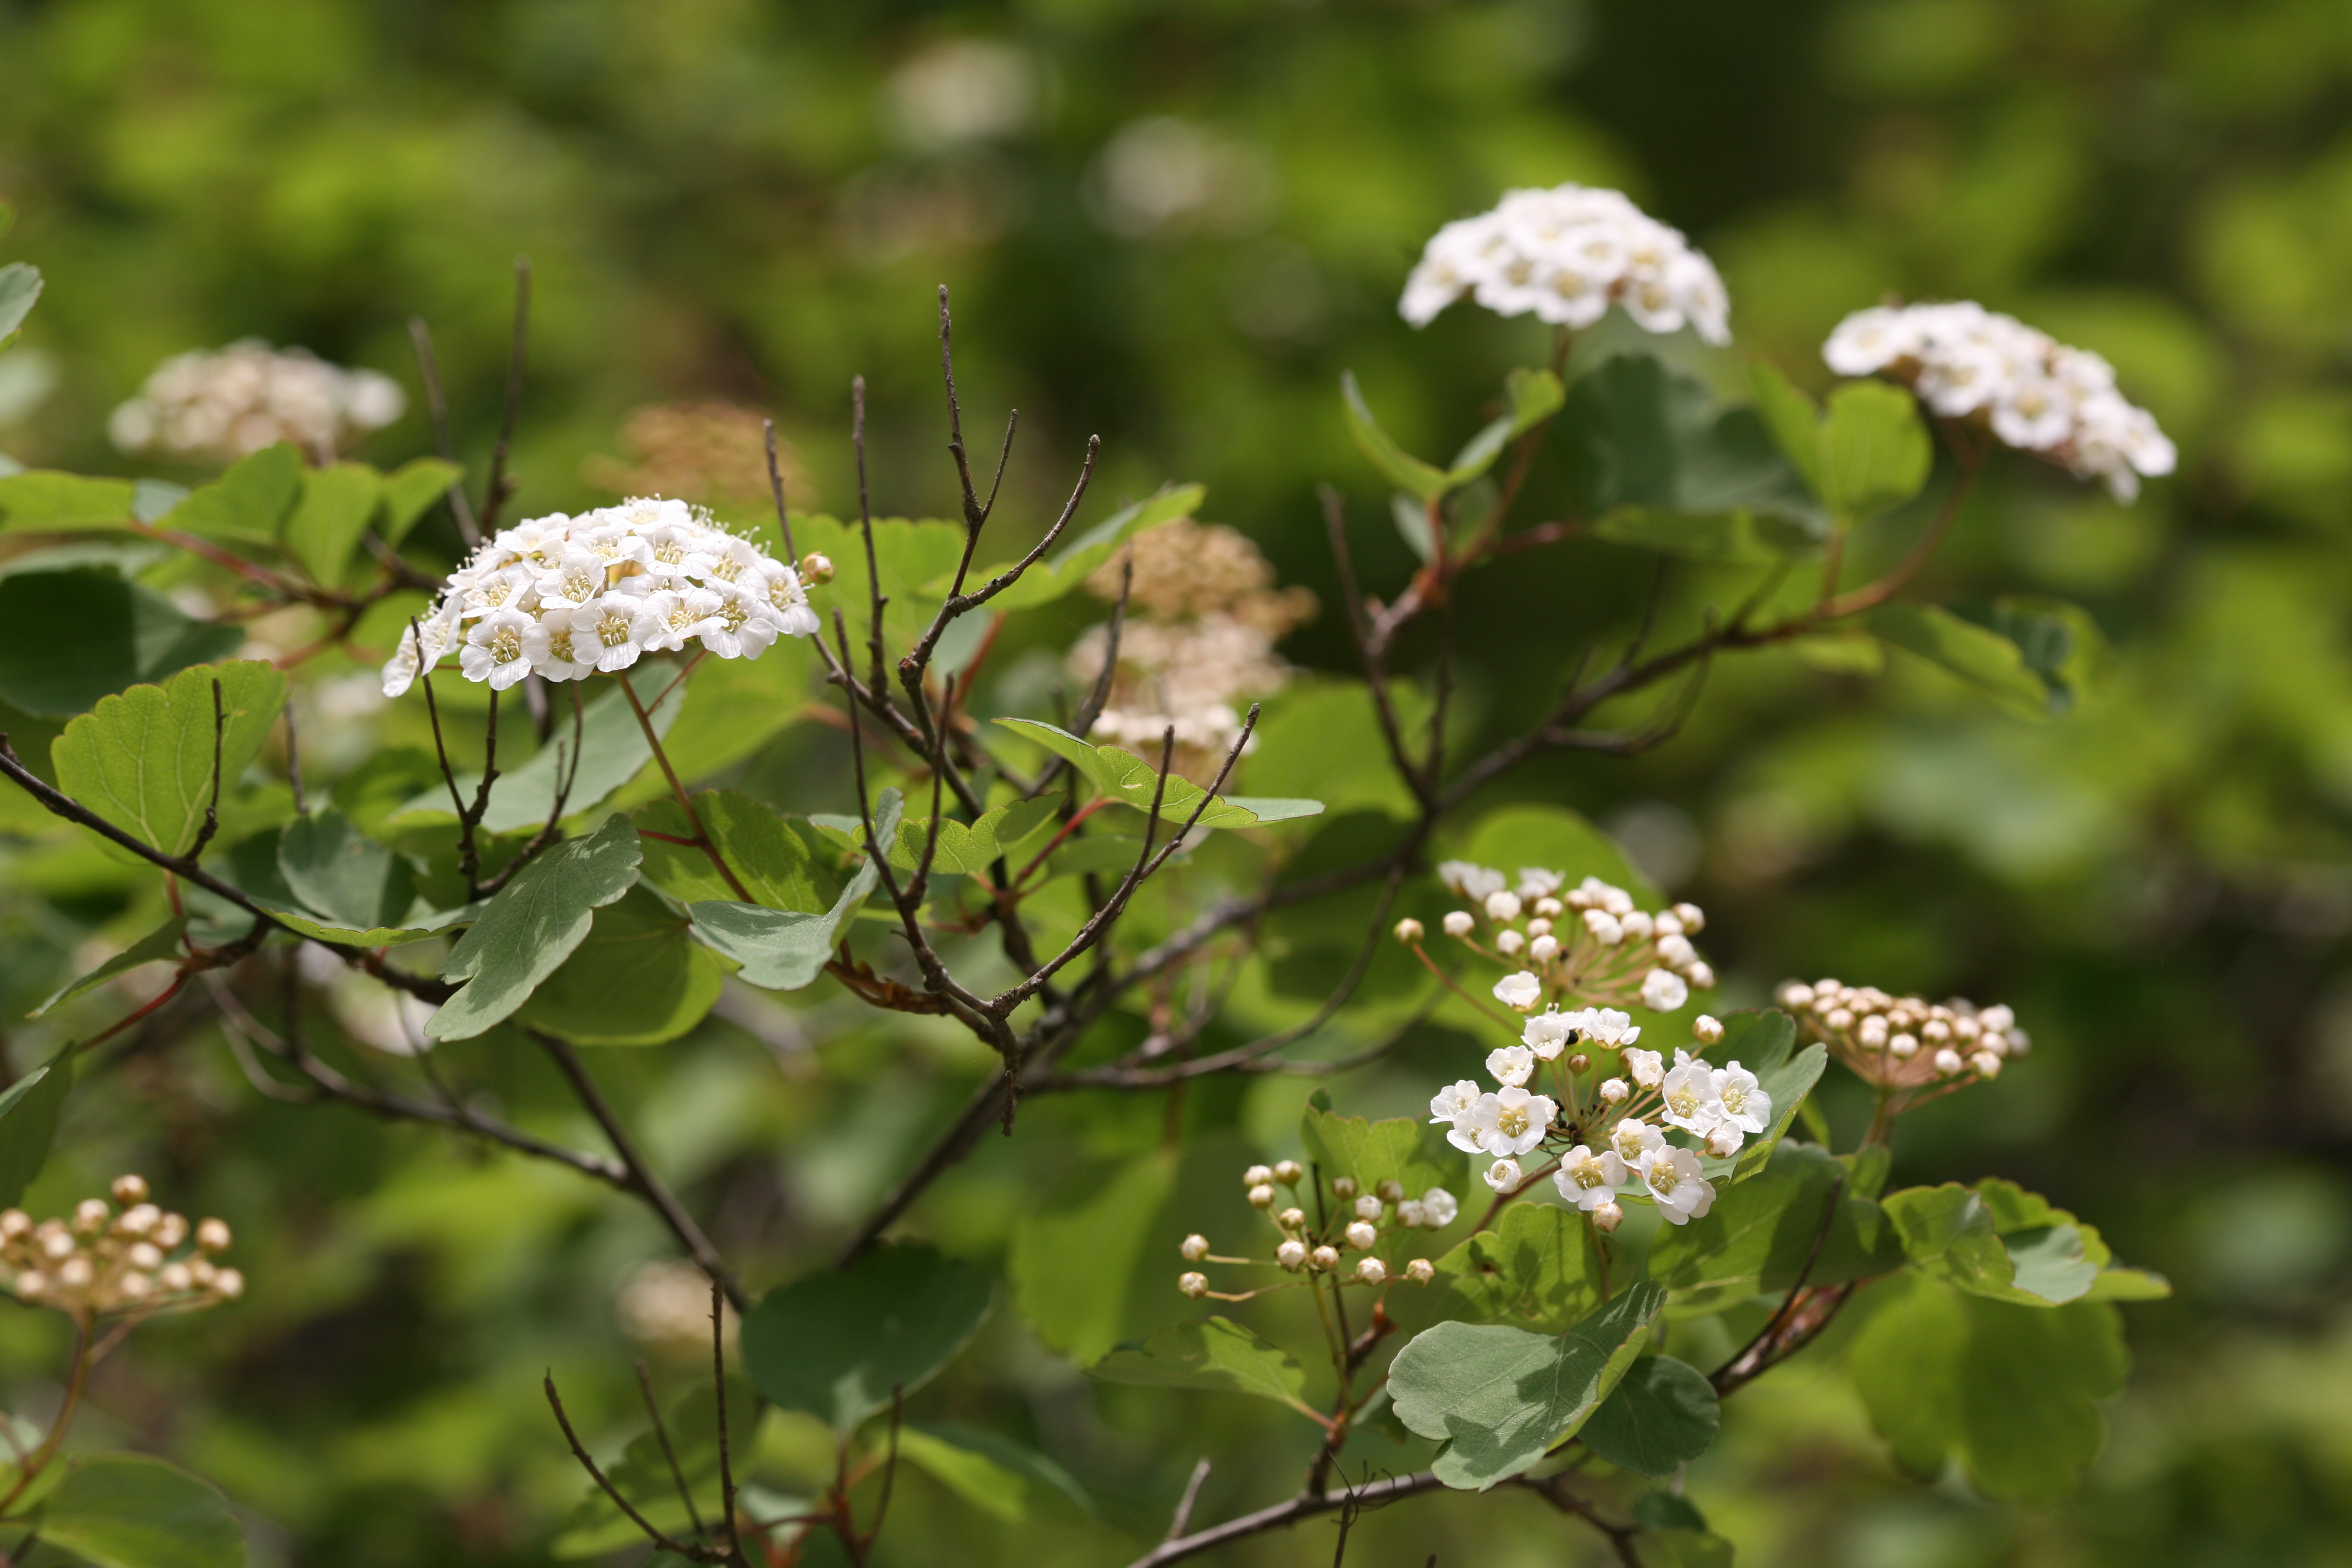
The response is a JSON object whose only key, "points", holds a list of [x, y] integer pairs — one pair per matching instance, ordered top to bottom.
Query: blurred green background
{"points": [[1175, 224]]}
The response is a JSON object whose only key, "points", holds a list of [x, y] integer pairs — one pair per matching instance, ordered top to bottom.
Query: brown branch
{"points": [[1283, 1515], [692, 1552]]}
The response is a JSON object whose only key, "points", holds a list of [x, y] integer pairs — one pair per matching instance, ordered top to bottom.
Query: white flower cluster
{"points": [[1565, 256], [2037, 393], [226, 403], [564, 598], [1587, 944], [1905, 1042], [1355, 1221], [102, 1262]]}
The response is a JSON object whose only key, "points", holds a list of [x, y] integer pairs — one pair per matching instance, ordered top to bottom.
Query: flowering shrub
{"points": [[1619, 1211]]}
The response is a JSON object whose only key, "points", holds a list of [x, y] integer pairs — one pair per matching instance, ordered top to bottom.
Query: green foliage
{"points": [[20, 289], [1868, 454], [1420, 480], [43, 500], [247, 505], [1067, 568], [70, 638], [1978, 655], [611, 750], [144, 760], [1129, 780], [961, 851], [773, 855], [342, 875], [535, 922], [158, 946], [784, 950], [637, 980], [29, 1108], [1411, 1153], [1760, 1236], [1074, 1253], [1539, 1269], [836, 1345], [1214, 1353], [2007, 1391], [1498, 1399], [1661, 1415], [993, 1474], [644, 1475], [130, 1511]]}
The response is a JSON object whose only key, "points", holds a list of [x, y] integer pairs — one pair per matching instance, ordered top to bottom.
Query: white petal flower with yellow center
{"points": [[573, 581], [740, 626], [609, 629], [494, 650], [558, 650], [1548, 1032], [1511, 1065], [1689, 1094], [1452, 1102], [1742, 1103], [1511, 1120], [1634, 1139], [1588, 1180], [1674, 1181]]}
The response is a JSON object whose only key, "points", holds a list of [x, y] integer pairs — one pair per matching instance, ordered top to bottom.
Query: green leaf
{"points": [[20, 286], [1534, 395], [1793, 419], [1646, 441], [1875, 452], [1407, 473], [409, 492], [40, 499], [247, 505], [333, 510], [1412, 524], [1070, 567], [70, 638], [2057, 641], [1978, 655], [1314, 738], [612, 752], [143, 760], [1130, 781], [1553, 838], [962, 850], [775, 856], [342, 874], [534, 923], [158, 946], [782, 950], [638, 980], [29, 1108], [1408, 1150], [1758, 1236], [1075, 1252], [2056, 1256], [1539, 1270], [834, 1345], [1217, 1353], [2010, 1391], [1499, 1398], [1664, 1414], [643, 1473], [993, 1474], [129, 1510], [1664, 1510], [1684, 1549]]}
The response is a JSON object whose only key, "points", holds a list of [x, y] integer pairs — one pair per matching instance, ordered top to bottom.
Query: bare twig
{"points": [[437, 406], [499, 487], [212, 805], [718, 1389], [661, 1435], [1184, 1504], [1282, 1515], [691, 1551]]}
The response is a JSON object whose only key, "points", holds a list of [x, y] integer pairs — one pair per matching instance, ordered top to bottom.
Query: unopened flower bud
{"points": [[816, 568], [1503, 907], [1549, 907], [1694, 921], [1666, 923], [1604, 926], [1538, 927], [1637, 927], [1410, 931], [1510, 943], [1544, 949], [1700, 976], [1796, 994], [1947, 1061], [1579, 1062], [1987, 1064], [1614, 1090], [1724, 1142], [1289, 1172], [1257, 1175], [1503, 1175], [1343, 1186], [129, 1189], [1390, 1191], [1261, 1197], [1368, 1207], [90, 1215], [1412, 1215], [1606, 1216], [1291, 1219], [139, 1220], [15, 1223], [171, 1230], [212, 1235], [1360, 1236], [57, 1243], [1194, 1247], [1291, 1254], [143, 1255], [1324, 1259], [1371, 1270], [202, 1271], [1421, 1271], [74, 1273], [175, 1278], [32, 1284], [228, 1284], [1193, 1285], [134, 1287]]}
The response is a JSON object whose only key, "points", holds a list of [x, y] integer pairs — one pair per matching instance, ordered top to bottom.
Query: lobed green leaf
{"points": [[143, 760], [535, 922], [834, 1344], [1216, 1354], [131, 1511]]}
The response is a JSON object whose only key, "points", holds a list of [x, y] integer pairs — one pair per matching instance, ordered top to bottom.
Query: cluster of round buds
{"points": [[1565, 256], [2032, 390], [565, 597], [1588, 944], [1904, 1042], [1345, 1239], [109, 1259]]}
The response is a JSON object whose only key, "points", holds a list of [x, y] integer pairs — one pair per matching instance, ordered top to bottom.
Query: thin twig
{"points": [[437, 406], [499, 487], [718, 1389], [661, 1435], [1184, 1504], [689, 1550]]}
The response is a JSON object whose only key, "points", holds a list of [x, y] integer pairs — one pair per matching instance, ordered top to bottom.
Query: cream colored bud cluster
{"points": [[221, 405], [1590, 944], [1904, 1042], [1354, 1220], [105, 1259]]}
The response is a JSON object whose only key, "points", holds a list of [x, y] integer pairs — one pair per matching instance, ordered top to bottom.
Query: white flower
{"points": [[572, 582], [489, 592], [667, 616], [739, 626], [608, 628], [494, 650], [558, 650], [409, 659], [1470, 880], [1535, 882], [1502, 907], [1459, 923], [1604, 927], [1509, 942], [1544, 949], [1675, 950], [1700, 976], [1519, 991], [1663, 991], [1608, 1026], [1706, 1030], [1548, 1033], [1511, 1065], [1649, 1068], [1614, 1091], [1689, 1094], [1454, 1102], [1742, 1102], [1511, 1120], [1634, 1139], [1723, 1140], [1503, 1175], [1588, 1180], [1675, 1181], [1438, 1204], [1368, 1207], [1410, 1215], [1360, 1236], [1291, 1254], [1371, 1270]]}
